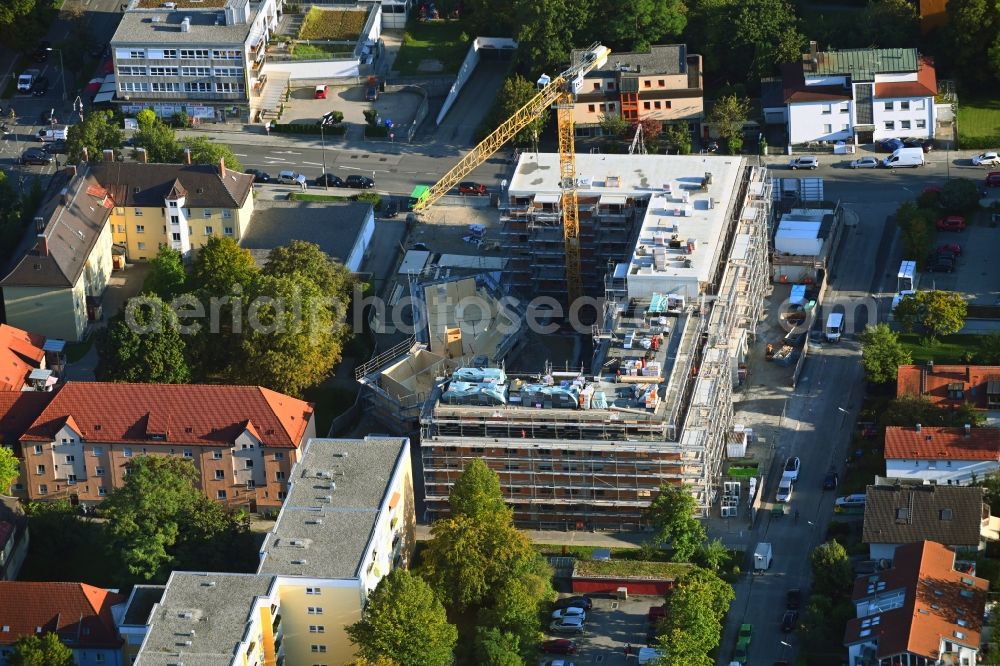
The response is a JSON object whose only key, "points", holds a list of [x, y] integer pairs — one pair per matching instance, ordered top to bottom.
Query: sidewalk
{"points": [[570, 538]]}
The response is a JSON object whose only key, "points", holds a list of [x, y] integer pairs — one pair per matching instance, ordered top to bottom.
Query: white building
{"points": [[860, 95], [959, 456]]}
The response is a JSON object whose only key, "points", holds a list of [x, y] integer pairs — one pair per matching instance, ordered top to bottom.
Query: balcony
{"points": [[276, 624]]}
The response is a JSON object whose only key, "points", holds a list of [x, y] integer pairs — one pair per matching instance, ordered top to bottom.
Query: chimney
{"points": [[813, 49], [141, 153], [86, 154], [109, 155], [187, 156], [222, 167], [64, 196], [42, 246], [930, 364], [968, 374], [918, 427], [968, 430]]}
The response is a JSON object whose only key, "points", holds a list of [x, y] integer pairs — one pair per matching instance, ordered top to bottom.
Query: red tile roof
{"points": [[924, 86], [795, 89], [20, 353], [932, 382], [18, 410], [198, 414], [932, 443], [936, 597], [79, 613]]}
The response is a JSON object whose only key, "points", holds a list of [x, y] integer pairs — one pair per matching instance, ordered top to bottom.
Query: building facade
{"points": [[201, 60], [664, 85], [857, 95], [242, 440], [959, 456]]}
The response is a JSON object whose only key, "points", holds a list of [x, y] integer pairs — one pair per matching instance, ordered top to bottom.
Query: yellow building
{"points": [[177, 205], [55, 289], [348, 520]]}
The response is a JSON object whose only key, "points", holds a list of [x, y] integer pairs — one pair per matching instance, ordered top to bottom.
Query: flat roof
{"points": [[152, 27], [335, 227], [335, 495], [201, 618]]}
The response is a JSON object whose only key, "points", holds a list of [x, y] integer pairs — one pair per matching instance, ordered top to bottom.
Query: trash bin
{"points": [[622, 594]]}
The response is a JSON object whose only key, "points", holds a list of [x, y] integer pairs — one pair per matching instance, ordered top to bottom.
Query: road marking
{"points": [[240, 154], [312, 163]]}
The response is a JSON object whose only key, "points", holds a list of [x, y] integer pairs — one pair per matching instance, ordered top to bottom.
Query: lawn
{"points": [[333, 24], [443, 41], [302, 51], [978, 122], [299, 196], [947, 349], [77, 350], [630, 569]]}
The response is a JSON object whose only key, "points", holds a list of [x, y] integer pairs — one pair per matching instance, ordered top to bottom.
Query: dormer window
{"points": [[172, 204]]}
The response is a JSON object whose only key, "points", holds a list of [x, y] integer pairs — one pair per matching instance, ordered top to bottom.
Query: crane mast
{"points": [[560, 93]]}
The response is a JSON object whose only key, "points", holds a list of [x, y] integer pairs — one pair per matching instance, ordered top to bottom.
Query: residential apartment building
{"points": [[202, 59], [664, 84], [855, 95], [177, 205], [56, 288], [21, 353], [951, 385], [242, 440], [589, 449], [960, 456], [897, 514], [347, 522], [14, 537], [927, 608], [81, 615]]}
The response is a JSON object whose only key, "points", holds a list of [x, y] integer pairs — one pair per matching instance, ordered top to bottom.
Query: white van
{"points": [[52, 133], [905, 157], [834, 327]]}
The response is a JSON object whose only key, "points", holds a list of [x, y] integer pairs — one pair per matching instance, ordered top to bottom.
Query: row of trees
{"points": [[916, 219], [282, 326]]}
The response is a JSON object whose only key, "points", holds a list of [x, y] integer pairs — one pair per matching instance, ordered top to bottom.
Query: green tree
{"points": [[12, 10], [891, 23], [633, 25], [548, 30], [765, 30], [973, 30], [515, 93], [728, 115], [613, 125], [96, 133], [156, 137], [678, 137], [204, 151], [959, 195], [916, 229], [308, 261], [223, 268], [166, 277], [935, 313], [291, 339], [144, 345], [989, 349], [882, 354], [911, 410], [10, 469], [991, 484], [477, 493], [672, 514], [159, 520], [712, 555], [833, 576], [514, 608], [403, 620], [692, 627], [497, 648], [48, 650], [377, 661]]}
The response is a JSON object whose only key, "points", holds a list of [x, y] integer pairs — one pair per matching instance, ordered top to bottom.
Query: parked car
{"points": [[41, 54], [40, 87], [371, 90], [320, 92], [331, 118], [891, 145], [925, 145], [55, 147], [36, 156], [989, 158], [804, 162], [865, 163], [259, 176], [291, 178], [993, 179], [329, 180], [359, 182], [468, 187], [931, 189], [390, 207], [951, 223], [420, 246], [952, 249], [940, 263], [792, 466], [830, 480], [785, 489], [857, 500], [793, 599], [571, 602], [572, 611], [789, 621], [567, 625], [559, 646], [557, 662]]}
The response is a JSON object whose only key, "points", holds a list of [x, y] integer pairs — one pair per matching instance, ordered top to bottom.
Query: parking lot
{"points": [[302, 106], [975, 275], [612, 624]]}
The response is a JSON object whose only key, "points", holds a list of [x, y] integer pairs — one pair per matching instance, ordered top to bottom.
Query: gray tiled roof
{"points": [[138, 27], [660, 59], [205, 187], [333, 226], [334, 497], [950, 515], [209, 610]]}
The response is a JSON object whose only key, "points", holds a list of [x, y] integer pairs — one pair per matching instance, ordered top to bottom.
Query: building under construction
{"points": [[588, 449]]}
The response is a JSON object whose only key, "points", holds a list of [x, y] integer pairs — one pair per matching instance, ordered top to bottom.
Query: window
{"points": [[137, 54], [170, 54], [195, 54], [226, 54], [131, 70], [163, 71], [196, 71], [229, 71], [661, 83], [647, 84], [597, 85], [611, 85], [125, 86], [165, 87], [198, 87], [225, 87], [646, 105], [904, 105], [918, 105], [611, 106], [889, 106], [590, 107], [845, 107], [827, 109], [904, 124], [921, 124], [890, 125], [845, 127], [827, 129], [172, 204], [207, 212], [227, 214], [175, 219], [121, 228], [140, 228], [208, 231], [228, 231], [176, 237], [141, 246], [38, 449], [97, 450], [127, 452], [216, 455], [279, 455], [70, 459], [248, 464], [40, 469], [98, 471], [220, 475], [279, 476], [71, 479], [250, 484], [43, 489], [102, 491], [220, 494], [282, 494], [313, 590], [314, 610], [317, 629], [318, 648]]}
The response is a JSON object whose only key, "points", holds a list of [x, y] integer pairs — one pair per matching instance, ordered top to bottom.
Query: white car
{"points": [[24, 82], [989, 158], [804, 162], [865, 163], [292, 178], [792, 467], [785, 490], [571, 611], [567, 625]]}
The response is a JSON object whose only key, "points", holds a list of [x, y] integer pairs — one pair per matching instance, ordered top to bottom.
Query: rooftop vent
{"points": [[170, 5], [156, 19], [186, 24], [323, 475], [315, 521], [300, 561], [210, 583], [186, 615]]}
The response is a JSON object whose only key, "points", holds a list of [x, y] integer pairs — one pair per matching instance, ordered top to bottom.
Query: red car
{"points": [[320, 92], [993, 179], [477, 189], [932, 189], [951, 223], [953, 249], [559, 646]]}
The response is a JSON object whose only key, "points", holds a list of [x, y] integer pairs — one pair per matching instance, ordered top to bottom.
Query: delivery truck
{"points": [[905, 157]]}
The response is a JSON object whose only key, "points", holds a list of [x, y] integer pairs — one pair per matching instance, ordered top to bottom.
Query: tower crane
{"points": [[558, 92]]}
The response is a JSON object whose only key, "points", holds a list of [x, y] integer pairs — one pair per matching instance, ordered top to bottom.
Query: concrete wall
{"points": [[469, 65], [320, 70], [364, 238], [54, 313], [944, 472], [649, 587]]}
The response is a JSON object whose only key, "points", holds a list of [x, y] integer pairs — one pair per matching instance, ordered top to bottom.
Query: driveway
{"points": [[612, 624]]}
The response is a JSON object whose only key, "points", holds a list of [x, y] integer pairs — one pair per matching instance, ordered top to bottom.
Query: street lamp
{"points": [[62, 70], [78, 107], [326, 176]]}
